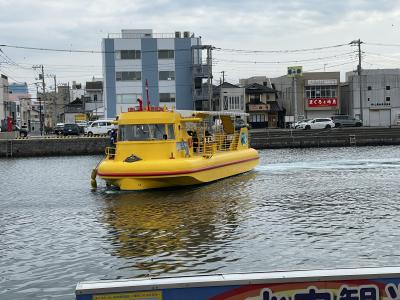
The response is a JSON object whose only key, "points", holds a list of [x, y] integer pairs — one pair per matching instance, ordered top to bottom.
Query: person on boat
{"points": [[113, 137], [195, 141]]}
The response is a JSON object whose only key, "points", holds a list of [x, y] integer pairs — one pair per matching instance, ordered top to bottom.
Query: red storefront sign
{"points": [[322, 102]]}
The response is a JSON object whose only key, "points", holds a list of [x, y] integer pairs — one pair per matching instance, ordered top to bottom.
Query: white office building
{"points": [[164, 61], [380, 95]]}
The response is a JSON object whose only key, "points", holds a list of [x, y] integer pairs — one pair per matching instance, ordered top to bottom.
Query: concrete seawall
{"points": [[337, 137], [260, 139], [53, 146]]}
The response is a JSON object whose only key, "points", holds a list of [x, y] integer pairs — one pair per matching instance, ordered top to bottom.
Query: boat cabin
{"points": [[173, 135]]}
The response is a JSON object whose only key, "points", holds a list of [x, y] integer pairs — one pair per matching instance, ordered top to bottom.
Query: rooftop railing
{"points": [[139, 35]]}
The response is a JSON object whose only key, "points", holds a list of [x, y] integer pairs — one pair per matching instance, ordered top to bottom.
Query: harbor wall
{"points": [[337, 137], [261, 139], [53, 146]]}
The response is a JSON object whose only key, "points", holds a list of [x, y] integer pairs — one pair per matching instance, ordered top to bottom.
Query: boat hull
{"points": [[143, 175]]}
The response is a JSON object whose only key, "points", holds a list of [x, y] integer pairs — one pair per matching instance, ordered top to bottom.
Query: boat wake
{"points": [[330, 165]]}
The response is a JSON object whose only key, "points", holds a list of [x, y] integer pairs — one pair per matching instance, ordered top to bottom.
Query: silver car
{"points": [[345, 120], [319, 123], [302, 124]]}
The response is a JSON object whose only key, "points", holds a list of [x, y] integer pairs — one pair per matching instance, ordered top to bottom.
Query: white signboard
{"points": [[322, 82]]}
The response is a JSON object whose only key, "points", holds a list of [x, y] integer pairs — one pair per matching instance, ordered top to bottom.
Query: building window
{"points": [[127, 54], [166, 54], [166, 75], [128, 76], [388, 87], [369, 88], [320, 91], [167, 97], [94, 98], [128, 98], [255, 98], [387, 98], [226, 103], [257, 118]]}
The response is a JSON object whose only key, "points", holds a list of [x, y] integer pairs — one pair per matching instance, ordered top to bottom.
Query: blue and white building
{"points": [[164, 60]]}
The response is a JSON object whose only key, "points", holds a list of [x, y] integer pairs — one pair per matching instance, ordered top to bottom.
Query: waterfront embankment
{"points": [[336, 137], [260, 139], [53, 146]]}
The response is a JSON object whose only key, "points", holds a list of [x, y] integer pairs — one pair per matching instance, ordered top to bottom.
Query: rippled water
{"points": [[299, 209]]}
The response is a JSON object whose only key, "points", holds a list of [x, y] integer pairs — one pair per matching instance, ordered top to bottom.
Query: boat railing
{"points": [[208, 144], [110, 152]]}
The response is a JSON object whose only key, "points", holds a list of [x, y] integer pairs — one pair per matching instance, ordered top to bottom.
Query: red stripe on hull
{"points": [[166, 173]]}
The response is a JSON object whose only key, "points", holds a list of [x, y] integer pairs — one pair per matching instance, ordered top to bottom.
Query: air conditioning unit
{"points": [[177, 34], [186, 34]]}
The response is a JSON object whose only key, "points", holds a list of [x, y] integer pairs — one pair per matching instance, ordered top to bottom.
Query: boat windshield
{"points": [[146, 132]]}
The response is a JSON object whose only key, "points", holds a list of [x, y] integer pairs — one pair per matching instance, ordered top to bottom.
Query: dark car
{"points": [[345, 120], [59, 128], [71, 129]]}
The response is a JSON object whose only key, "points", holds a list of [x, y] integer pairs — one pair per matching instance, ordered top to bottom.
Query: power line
{"points": [[382, 44], [149, 51], [281, 51], [285, 62]]}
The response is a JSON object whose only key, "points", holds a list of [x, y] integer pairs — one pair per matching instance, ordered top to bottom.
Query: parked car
{"points": [[345, 120], [319, 123], [300, 124], [82, 126], [99, 127], [59, 128], [71, 129], [23, 130]]}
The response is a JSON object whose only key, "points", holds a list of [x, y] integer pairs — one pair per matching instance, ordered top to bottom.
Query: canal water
{"points": [[299, 209]]}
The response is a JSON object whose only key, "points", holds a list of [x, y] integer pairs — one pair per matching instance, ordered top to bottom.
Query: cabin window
{"points": [[146, 132], [171, 135]]}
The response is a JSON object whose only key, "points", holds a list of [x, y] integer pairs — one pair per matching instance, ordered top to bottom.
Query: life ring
{"points": [[190, 142]]}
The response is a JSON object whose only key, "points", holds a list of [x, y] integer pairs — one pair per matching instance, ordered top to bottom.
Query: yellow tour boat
{"points": [[159, 149]]}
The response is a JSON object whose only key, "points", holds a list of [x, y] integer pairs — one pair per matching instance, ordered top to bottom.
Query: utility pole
{"points": [[358, 43], [209, 77], [43, 98], [295, 99], [40, 108], [54, 110]]}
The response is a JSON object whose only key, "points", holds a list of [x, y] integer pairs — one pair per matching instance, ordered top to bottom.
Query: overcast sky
{"points": [[248, 25]]}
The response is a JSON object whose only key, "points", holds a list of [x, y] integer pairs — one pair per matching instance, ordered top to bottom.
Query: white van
{"points": [[99, 127]]}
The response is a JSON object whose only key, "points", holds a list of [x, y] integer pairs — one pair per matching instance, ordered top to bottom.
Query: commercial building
{"points": [[140, 63], [311, 95], [380, 96], [22, 101]]}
